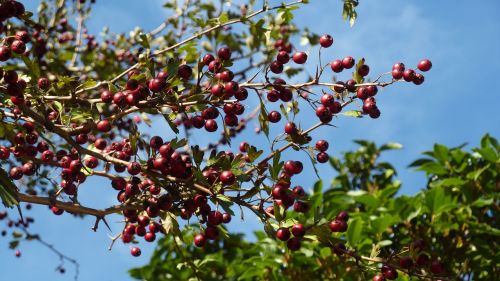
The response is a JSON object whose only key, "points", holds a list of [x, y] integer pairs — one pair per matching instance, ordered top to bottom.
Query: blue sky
{"points": [[457, 103]]}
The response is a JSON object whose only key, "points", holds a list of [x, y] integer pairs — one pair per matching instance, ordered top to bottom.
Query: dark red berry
{"points": [[326, 41], [224, 53], [300, 57], [348, 62], [424, 65], [336, 66], [363, 70], [184, 71], [338, 226], [298, 230], [283, 234], [199, 240], [293, 244], [135, 251]]}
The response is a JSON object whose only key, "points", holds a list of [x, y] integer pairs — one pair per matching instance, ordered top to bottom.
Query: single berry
{"points": [[326, 41], [224, 53], [300, 57], [348, 62], [424, 65], [336, 66], [363, 70], [338, 226], [298, 230], [283, 234], [199, 240], [135, 251]]}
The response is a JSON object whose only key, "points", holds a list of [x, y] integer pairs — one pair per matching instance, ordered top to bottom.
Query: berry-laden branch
{"points": [[62, 128]]}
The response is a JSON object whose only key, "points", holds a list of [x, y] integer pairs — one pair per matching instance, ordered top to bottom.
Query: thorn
{"points": [[20, 212], [106, 223]]}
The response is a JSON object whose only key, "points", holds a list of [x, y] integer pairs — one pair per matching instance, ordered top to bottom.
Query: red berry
{"points": [[23, 36], [326, 41], [18, 47], [5, 53], [224, 53], [283, 57], [300, 57], [207, 59], [348, 62], [424, 65], [215, 66], [336, 66], [399, 66], [276, 67], [363, 70], [184, 71], [397, 74], [408, 75], [418, 79], [43, 83], [156, 85], [231, 88], [217, 90], [241, 94], [106, 96], [274, 116], [211, 125], [103, 126], [290, 128], [322, 145], [322, 157], [90, 162], [134, 168], [16, 173], [227, 178], [56, 210], [343, 216], [214, 218], [226, 218], [338, 226], [298, 230], [211, 232], [283, 234], [150, 237], [199, 240], [293, 244], [135, 251], [18, 253], [423, 260], [406, 262], [436, 267], [389, 272], [379, 277]]}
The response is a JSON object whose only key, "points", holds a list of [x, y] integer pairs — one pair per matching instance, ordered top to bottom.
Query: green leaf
{"points": [[223, 18], [353, 113], [171, 123], [391, 145], [441, 152], [197, 155], [419, 162], [433, 168], [7, 190], [482, 202], [354, 232]]}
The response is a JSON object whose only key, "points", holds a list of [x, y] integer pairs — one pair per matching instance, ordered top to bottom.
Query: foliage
{"points": [[454, 217]]}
